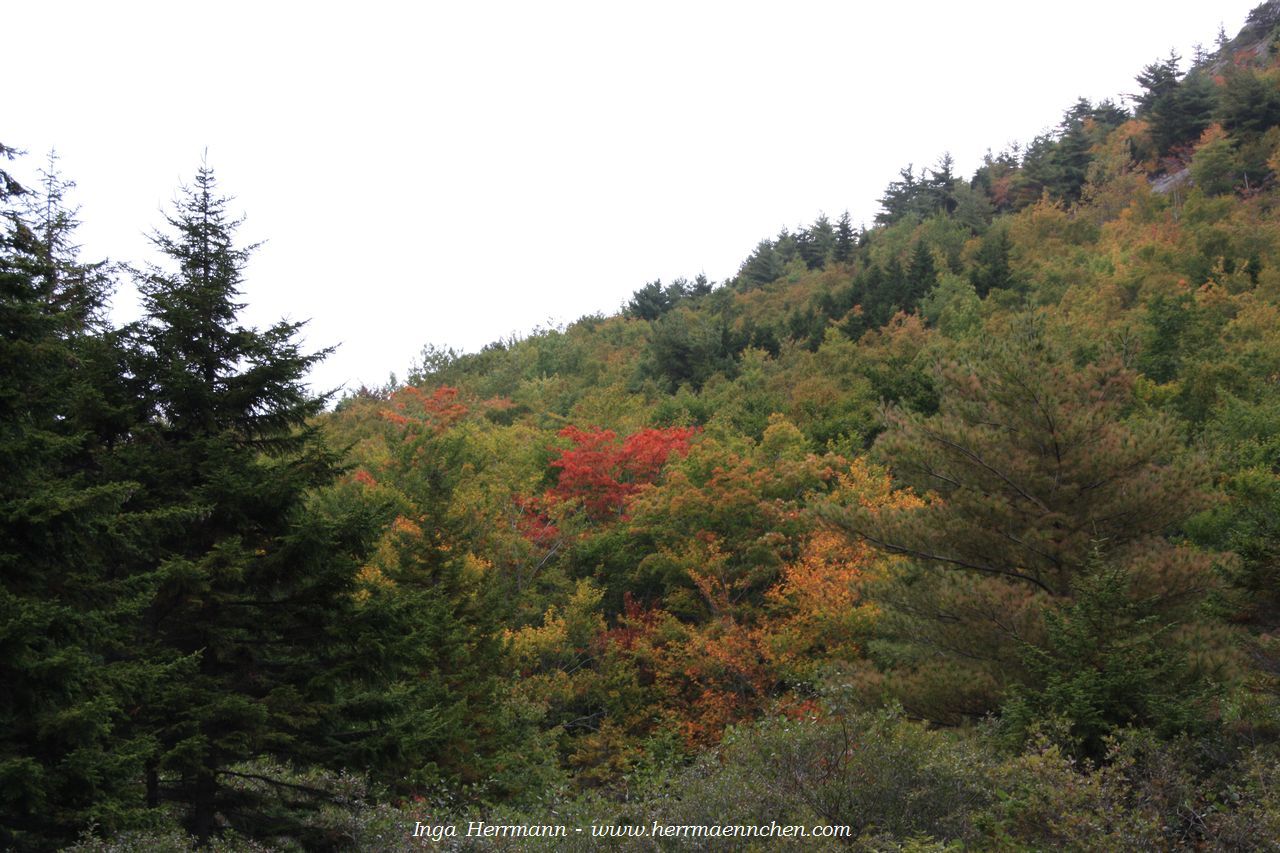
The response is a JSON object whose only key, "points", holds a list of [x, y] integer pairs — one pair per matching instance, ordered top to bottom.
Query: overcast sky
{"points": [[457, 172]]}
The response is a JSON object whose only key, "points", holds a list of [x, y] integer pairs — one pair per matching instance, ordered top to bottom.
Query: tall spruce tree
{"points": [[846, 241], [921, 276], [75, 289], [251, 586], [66, 758]]}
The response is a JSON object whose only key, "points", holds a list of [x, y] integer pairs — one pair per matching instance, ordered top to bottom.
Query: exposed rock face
{"points": [[1172, 181]]}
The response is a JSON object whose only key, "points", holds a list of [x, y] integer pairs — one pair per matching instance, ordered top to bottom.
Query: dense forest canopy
{"points": [[961, 529]]}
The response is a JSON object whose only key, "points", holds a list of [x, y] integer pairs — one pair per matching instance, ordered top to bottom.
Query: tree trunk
{"points": [[203, 807]]}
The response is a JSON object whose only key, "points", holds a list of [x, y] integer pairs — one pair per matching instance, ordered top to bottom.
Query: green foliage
{"points": [[1250, 102], [1216, 167], [919, 196], [845, 241], [766, 264], [991, 270], [921, 276], [653, 300], [953, 307], [1176, 330], [687, 348], [1029, 461], [1247, 523], [250, 585], [204, 612], [1107, 662], [67, 755], [877, 773]]}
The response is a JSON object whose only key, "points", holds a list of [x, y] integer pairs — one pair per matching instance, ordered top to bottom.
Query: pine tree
{"points": [[1250, 103], [1181, 116], [940, 186], [900, 197], [816, 243], [1032, 464], [251, 586], [1107, 662]]}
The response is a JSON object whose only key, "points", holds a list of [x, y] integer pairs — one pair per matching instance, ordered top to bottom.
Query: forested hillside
{"points": [[961, 530]]}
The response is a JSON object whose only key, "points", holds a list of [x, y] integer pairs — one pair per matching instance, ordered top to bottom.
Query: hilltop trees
{"points": [[932, 191]]}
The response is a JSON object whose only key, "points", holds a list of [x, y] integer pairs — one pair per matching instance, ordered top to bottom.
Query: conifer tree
{"points": [[1158, 80], [845, 240], [816, 243], [991, 263], [765, 265], [921, 276], [77, 289], [1034, 466], [250, 586], [427, 623], [65, 759]]}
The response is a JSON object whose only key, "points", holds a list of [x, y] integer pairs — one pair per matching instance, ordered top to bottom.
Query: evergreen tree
{"points": [[1158, 80], [1250, 103], [1177, 109], [1109, 114], [1180, 117], [1072, 154], [940, 186], [899, 197], [920, 197], [822, 239], [845, 240], [808, 250], [991, 263], [764, 266], [921, 276], [80, 290], [893, 290], [875, 292], [650, 302], [1176, 330], [688, 348], [1031, 464], [252, 588], [427, 622], [1107, 662], [65, 760]]}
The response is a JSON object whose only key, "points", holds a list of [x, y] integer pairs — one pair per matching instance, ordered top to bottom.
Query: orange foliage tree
{"points": [[600, 473]]}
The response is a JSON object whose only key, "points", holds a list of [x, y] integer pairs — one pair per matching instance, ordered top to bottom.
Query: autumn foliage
{"points": [[413, 408], [600, 473]]}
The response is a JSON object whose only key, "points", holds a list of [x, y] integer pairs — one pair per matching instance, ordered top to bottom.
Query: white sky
{"points": [[456, 172]]}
